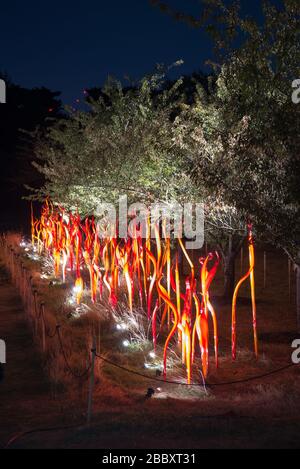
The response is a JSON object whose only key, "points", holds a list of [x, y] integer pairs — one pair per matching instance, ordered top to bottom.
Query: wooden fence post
{"points": [[242, 259], [265, 269], [289, 276], [43, 327], [92, 382]]}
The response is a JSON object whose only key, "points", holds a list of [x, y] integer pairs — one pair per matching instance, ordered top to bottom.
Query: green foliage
{"points": [[244, 138], [236, 143], [122, 146]]}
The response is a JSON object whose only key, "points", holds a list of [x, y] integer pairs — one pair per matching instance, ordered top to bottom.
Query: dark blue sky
{"points": [[68, 46]]}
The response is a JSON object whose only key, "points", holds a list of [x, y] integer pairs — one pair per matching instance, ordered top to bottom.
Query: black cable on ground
{"points": [[57, 332], [51, 336], [82, 375], [264, 375], [194, 384], [19, 435]]}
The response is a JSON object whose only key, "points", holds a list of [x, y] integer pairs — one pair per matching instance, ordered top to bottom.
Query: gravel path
{"points": [[25, 396]]}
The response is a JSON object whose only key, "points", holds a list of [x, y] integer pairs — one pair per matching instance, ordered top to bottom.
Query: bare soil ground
{"points": [[25, 399], [263, 413]]}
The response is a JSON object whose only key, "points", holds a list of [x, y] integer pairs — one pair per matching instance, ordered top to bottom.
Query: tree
{"points": [[24, 111], [201, 131], [246, 141], [122, 146]]}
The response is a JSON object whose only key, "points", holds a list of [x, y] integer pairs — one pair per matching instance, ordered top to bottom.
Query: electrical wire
{"points": [[226, 383]]}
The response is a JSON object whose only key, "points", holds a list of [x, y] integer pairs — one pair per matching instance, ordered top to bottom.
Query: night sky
{"points": [[69, 46]]}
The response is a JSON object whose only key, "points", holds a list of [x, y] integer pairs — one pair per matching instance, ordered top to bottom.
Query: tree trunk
{"points": [[229, 270], [229, 275], [298, 295]]}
